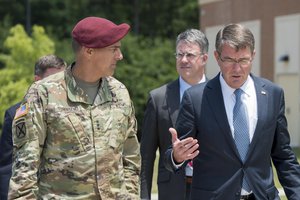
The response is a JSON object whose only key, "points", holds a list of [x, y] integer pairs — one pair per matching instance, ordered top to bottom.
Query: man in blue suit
{"points": [[44, 67], [226, 168]]}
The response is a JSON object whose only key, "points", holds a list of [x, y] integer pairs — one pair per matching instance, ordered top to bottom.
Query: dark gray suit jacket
{"points": [[161, 114], [6, 149], [218, 169]]}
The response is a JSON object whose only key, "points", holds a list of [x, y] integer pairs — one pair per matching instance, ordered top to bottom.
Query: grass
{"points": [[154, 181]]}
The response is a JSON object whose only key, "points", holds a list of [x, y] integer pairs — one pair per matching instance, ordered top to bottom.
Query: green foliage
{"points": [[62, 15], [154, 18], [167, 18], [5, 25], [63, 49], [25, 50], [148, 53], [147, 64], [18, 71]]}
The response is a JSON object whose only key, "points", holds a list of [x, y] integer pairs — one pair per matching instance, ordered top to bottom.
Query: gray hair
{"points": [[194, 36], [236, 36], [48, 61]]}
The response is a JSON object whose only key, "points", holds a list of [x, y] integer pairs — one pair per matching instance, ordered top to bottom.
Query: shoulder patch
{"points": [[22, 110], [20, 129]]}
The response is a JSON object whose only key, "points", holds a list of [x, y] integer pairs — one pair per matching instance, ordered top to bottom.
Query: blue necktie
{"points": [[241, 129]]}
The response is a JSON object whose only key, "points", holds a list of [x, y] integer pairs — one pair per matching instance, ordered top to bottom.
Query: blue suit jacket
{"points": [[6, 148], [218, 169]]}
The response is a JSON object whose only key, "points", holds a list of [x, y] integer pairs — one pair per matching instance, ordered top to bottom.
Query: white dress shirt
{"points": [[183, 86], [248, 98]]}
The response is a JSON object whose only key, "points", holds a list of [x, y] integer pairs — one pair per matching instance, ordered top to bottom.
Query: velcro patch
{"points": [[22, 110], [20, 129]]}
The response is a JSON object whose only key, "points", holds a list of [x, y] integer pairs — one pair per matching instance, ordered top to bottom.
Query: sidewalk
{"points": [[154, 196]]}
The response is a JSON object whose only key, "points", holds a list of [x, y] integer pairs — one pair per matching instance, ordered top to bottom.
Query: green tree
{"points": [[152, 18], [167, 18], [148, 52], [147, 64], [18, 71]]}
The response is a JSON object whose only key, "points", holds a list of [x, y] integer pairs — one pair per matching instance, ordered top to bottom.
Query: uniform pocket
{"points": [[66, 133], [82, 137]]}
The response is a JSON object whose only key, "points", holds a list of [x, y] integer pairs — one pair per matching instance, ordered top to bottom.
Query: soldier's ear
{"points": [[37, 78]]}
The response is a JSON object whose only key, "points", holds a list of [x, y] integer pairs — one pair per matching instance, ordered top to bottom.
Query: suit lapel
{"points": [[214, 94], [173, 100], [262, 100], [216, 103]]}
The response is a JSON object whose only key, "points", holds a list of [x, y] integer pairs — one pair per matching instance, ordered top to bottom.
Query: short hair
{"points": [[194, 36], [236, 36], [76, 46], [48, 61]]}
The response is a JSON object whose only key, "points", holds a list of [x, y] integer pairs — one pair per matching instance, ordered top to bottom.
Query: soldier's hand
{"points": [[185, 149]]}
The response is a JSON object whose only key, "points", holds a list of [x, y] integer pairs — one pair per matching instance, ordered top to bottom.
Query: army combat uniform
{"points": [[68, 148]]}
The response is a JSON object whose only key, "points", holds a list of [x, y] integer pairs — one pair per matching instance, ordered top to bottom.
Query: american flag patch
{"points": [[21, 111]]}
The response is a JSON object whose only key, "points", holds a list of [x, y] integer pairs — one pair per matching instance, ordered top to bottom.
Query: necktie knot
{"points": [[238, 93]]}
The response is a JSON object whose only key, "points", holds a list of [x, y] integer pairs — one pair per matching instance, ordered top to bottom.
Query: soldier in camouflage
{"points": [[75, 134]]}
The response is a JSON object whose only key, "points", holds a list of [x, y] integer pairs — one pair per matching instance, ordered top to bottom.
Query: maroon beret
{"points": [[96, 32]]}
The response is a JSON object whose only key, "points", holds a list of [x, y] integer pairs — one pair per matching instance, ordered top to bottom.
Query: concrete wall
{"points": [[234, 11]]}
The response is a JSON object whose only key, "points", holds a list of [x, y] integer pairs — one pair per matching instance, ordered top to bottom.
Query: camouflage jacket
{"points": [[66, 148]]}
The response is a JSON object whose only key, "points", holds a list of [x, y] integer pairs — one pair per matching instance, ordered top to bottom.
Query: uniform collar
{"points": [[77, 94]]}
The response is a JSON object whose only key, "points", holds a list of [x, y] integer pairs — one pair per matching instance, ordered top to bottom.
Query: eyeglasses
{"points": [[189, 56], [243, 62]]}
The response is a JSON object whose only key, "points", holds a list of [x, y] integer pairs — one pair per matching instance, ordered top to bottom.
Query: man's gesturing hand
{"points": [[185, 149]]}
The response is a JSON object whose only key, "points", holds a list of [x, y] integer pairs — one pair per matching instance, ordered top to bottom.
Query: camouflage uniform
{"points": [[66, 148]]}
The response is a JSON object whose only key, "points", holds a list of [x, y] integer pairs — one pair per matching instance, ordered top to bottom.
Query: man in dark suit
{"points": [[44, 67], [161, 113], [6, 150], [225, 166]]}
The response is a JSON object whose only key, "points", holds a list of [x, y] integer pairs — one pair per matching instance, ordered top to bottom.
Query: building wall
{"points": [[234, 11], [276, 28]]}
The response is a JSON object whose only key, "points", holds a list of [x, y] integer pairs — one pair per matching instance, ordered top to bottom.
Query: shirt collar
{"points": [[184, 85], [229, 90], [76, 94]]}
